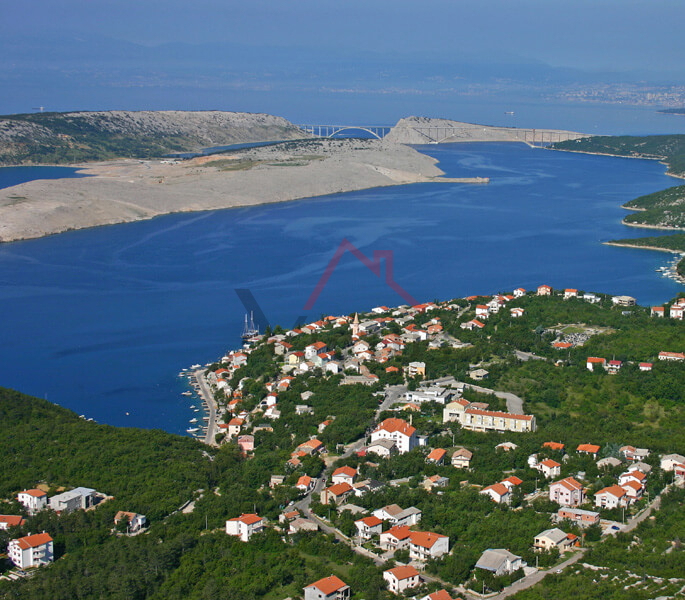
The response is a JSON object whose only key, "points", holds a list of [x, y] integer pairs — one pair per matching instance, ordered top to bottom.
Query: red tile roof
{"points": [[392, 425], [553, 445], [589, 448], [437, 454], [349, 471], [614, 490], [35, 493], [12, 520], [370, 521], [425, 539], [33, 541], [405, 572], [328, 585]]}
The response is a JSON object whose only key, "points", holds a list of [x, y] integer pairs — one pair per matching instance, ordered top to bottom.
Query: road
{"points": [[208, 399], [514, 403], [531, 580]]}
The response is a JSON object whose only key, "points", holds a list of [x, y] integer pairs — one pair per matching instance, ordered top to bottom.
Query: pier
{"points": [[208, 400]]}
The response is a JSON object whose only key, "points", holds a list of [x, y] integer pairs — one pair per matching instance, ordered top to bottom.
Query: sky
{"points": [[323, 57]]}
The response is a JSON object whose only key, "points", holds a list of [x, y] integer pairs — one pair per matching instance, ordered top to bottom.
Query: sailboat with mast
{"points": [[249, 330]]}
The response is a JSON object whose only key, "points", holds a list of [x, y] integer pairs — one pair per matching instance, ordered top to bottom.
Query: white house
{"points": [[399, 431], [461, 459], [669, 461], [549, 468], [344, 475], [498, 492], [567, 492], [611, 497], [78, 498], [34, 500], [397, 516], [7, 521], [135, 522], [244, 526], [368, 527], [395, 538], [552, 538], [425, 545], [31, 551], [499, 562], [403, 578], [328, 588]]}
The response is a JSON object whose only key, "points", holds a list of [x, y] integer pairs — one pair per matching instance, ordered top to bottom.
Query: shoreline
{"points": [[130, 190], [657, 248]]}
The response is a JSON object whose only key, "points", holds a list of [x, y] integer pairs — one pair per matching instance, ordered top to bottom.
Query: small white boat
{"points": [[187, 393], [193, 420], [192, 429]]}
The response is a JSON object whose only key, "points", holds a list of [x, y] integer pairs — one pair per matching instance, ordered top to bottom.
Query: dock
{"points": [[208, 400]]}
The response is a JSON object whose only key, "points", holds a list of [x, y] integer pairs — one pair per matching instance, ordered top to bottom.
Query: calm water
{"points": [[102, 320]]}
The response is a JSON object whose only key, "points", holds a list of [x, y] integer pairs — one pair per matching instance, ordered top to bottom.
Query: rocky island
{"points": [[127, 180]]}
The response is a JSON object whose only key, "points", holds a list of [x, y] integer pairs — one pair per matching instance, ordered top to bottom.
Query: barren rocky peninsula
{"points": [[122, 191]]}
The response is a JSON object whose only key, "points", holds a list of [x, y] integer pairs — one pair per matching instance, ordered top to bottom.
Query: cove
{"points": [[102, 320]]}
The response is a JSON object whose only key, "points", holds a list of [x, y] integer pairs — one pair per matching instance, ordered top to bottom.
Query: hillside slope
{"points": [[88, 136]]}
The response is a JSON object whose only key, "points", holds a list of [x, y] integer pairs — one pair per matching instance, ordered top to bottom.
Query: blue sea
{"points": [[102, 320]]}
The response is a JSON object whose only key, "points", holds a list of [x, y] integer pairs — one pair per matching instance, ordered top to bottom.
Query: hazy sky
{"points": [[581, 33], [104, 54]]}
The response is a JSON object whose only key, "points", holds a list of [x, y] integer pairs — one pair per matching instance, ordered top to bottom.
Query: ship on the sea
{"points": [[249, 330]]}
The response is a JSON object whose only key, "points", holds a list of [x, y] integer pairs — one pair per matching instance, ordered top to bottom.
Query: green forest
{"points": [[669, 149], [187, 554]]}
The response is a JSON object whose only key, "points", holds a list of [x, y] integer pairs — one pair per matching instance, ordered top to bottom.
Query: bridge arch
{"points": [[356, 128]]}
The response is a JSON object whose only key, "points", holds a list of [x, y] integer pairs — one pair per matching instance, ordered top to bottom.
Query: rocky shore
{"points": [[130, 190]]}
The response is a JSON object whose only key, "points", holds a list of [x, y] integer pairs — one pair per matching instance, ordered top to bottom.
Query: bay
{"points": [[102, 320]]}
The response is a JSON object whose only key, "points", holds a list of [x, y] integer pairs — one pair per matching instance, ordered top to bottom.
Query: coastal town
{"points": [[419, 428], [380, 429]]}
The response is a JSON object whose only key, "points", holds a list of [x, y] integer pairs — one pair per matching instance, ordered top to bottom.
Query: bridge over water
{"points": [[329, 131], [436, 134]]}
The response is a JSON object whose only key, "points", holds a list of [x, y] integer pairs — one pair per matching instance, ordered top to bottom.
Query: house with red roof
{"points": [[544, 290], [570, 293], [657, 311], [676, 312], [473, 324], [562, 345], [314, 349], [677, 356], [595, 361], [398, 431], [554, 446], [311, 447], [591, 449], [437, 456], [549, 468], [344, 475], [511, 482], [305, 484], [498, 492], [567, 492], [338, 493], [611, 497], [34, 500], [7, 521], [245, 526], [368, 527], [395, 538], [425, 545], [31, 551], [402, 578], [328, 588], [439, 595]]}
